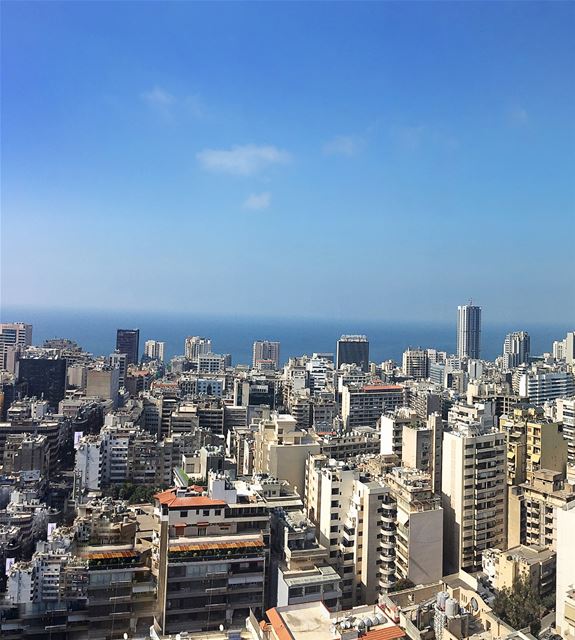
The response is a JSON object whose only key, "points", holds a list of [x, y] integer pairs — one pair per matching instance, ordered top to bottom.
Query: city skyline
{"points": [[345, 145]]}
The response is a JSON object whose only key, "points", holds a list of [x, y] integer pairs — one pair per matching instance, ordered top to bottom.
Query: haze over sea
{"points": [[95, 331]]}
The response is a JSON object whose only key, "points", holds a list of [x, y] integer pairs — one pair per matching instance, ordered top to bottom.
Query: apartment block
{"points": [[363, 406], [473, 495], [209, 554]]}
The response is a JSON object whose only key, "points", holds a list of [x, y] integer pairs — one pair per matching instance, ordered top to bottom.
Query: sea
{"points": [[95, 331]]}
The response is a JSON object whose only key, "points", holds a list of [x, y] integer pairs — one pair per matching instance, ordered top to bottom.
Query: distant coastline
{"points": [[95, 331]]}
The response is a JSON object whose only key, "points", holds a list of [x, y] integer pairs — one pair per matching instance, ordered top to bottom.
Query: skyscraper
{"points": [[468, 331], [13, 335], [128, 342], [516, 349], [266, 350], [353, 350], [44, 378]]}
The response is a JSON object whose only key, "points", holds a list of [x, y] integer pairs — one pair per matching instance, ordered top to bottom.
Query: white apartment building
{"points": [[195, 346], [154, 350], [540, 385], [347, 507], [565, 581]]}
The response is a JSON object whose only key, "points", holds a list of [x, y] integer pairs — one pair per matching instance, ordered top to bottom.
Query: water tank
{"points": [[441, 599], [451, 607], [379, 618], [368, 622]]}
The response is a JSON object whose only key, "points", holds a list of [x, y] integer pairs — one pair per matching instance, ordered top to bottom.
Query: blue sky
{"points": [[361, 160]]}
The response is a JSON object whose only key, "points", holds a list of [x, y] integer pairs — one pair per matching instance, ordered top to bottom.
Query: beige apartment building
{"points": [[281, 449], [473, 495], [533, 508]]}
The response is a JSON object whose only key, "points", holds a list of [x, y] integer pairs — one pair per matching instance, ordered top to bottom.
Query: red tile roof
{"points": [[382, 387], [173, 501], [281, 631], [387, 633]]}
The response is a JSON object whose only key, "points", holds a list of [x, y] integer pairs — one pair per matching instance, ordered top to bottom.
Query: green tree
{"points": [[401, 584], [519, 606]]}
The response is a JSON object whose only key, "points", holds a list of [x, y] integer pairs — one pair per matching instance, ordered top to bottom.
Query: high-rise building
{"points": [[468, 331], [12, 336], [128, 342], [196, 346], [570, 347], [516, 349], [154, 350], [266, 350], [353, 350], [415, 363], [44, 378], [473, 495]]}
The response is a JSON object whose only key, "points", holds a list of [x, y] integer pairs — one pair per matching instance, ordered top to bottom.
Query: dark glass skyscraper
{"points": [[468, 331], [128, 342], [353, 350], [44, 378]]}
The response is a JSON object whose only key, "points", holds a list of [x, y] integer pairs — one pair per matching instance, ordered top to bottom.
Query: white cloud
{"points": [[158, 98], [169, 105], [518, 117], [344, 146], [244, 160], [258, 201]]}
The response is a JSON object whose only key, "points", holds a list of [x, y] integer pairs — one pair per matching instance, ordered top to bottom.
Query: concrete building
{"points": [[468, 331], [14, 336], [195, 346], [353, 349], [516, 349], [154, 350], [266, 350], [211, 363], [415, 364], [103, 382], [540, 385], [363, 406], [565, 414], [534, 442], [281, 449], [26, 452], [473, 495], [349, 508], [533, 508], [418, 541], [209, 557], [534, 563], [565, 582]]}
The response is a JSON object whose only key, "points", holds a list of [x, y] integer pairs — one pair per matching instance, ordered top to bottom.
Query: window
{"points": [[206, 512], [183, 514]]}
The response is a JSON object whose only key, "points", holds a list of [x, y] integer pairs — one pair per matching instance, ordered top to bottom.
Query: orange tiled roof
{"points": [[170, 498], [281, 631], [387, 633]]}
